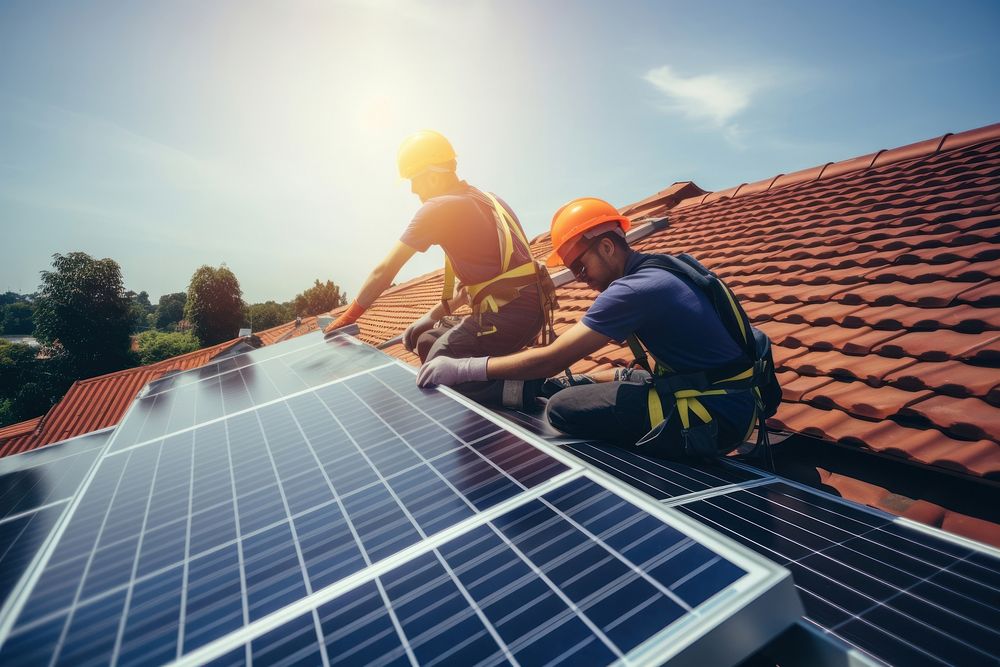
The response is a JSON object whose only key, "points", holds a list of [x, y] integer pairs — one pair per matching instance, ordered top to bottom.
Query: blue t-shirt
{"points": [[675, 322]]}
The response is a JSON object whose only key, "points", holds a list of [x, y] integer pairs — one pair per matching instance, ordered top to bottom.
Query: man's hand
{"points": [[349, 316], [414, 331], [449, 372]]}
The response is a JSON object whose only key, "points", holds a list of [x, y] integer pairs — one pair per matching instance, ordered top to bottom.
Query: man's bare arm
{"points": [[382, 275], [542, 362]]}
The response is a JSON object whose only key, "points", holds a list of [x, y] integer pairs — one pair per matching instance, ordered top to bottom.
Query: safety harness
{"points": [[492, 294], [752, 372]]}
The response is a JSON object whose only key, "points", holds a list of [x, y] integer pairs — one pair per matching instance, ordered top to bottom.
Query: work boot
{"points": [[554, 385], [522, 395]]}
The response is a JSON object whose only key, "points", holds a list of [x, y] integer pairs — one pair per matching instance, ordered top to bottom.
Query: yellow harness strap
{"points": [[483, 295], [686, 400]]}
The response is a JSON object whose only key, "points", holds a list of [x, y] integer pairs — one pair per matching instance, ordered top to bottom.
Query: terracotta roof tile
{"points": [[931, 295], [985, 295], [822, 314], [964, 318], [932, 345], [871, 370], [952, 378], [794, 386], [861, 400], [964, 418], [21, 428], [980, 457]]}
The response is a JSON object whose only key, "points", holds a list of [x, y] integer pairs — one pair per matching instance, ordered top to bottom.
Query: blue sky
{"points": [[170, 134]]}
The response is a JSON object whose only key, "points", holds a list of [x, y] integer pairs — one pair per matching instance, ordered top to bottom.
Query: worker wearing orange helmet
{"points": [[485, 250], [702, 397]]}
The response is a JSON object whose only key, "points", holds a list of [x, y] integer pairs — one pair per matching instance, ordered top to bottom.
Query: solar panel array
{"points": [[313, 502], [902, 593]]}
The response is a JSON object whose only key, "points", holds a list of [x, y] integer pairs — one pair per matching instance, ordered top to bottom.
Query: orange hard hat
{"points": [[424, 150], [575, 219]]}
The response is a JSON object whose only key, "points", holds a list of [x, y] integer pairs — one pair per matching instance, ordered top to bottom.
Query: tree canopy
{"points": [[320, 298], [214, 305], [82, 308], [170, 310], [269, 314], [16, 319], [156, 345], [29, 386]]}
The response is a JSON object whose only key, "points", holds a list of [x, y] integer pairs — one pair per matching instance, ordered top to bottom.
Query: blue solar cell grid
{"points": [[185, 400], [42, 477], [658, 478], [180, 541], [578, 576], [904, 596]]}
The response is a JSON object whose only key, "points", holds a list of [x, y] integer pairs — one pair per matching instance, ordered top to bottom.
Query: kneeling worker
{"points": [[485, 248], [704, 394]]}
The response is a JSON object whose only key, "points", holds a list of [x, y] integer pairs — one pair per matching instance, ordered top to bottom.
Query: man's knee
{"points": [[425, 342], [562, 413]]}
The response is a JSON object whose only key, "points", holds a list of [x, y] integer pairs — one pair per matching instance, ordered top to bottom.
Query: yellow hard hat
{"points": [[423, 150]]}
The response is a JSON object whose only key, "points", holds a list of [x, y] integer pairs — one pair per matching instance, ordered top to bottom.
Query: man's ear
{"points": [[607, 247]]}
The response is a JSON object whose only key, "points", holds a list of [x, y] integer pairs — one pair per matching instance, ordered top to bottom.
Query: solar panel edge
{"points": [[9, 464], [717, 491], [28, 512], [932, 531], [757, 618]]}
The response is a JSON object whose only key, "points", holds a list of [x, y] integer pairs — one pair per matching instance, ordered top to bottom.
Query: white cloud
{"points": [[715, 97]]}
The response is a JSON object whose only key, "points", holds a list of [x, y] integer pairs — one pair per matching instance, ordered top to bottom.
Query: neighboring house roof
{"points": [[96, 403]]}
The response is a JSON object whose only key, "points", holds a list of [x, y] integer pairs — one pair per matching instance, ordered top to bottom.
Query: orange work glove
{"points": [[353, 312]]}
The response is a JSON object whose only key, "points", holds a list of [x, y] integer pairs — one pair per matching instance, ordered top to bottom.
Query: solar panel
{"points": [[185, 400], [47, 475], [659, 478], [34, 490], [209, 536], [578, 575], [904, 595]]}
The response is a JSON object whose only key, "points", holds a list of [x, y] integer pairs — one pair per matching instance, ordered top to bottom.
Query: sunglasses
{"points": [[577, 268]]}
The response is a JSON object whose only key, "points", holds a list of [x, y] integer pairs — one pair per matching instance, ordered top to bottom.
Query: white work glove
{"points": [[413, 331], [449, 372]]}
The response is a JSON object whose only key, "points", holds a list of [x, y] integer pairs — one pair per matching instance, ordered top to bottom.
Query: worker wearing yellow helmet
{"points": [[485, 250], [713, 376]]}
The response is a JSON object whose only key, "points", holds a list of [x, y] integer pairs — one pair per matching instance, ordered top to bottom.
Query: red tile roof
{"points": [[876, 278]]}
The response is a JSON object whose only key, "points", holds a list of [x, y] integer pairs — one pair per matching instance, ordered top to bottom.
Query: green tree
{"points": [[8, 298], [319, 298], [214, 305], [82, 308], [140, 308], [170, 310], [269, 314], [16, 319], [156, 345], [29, 386]]}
